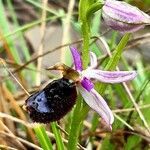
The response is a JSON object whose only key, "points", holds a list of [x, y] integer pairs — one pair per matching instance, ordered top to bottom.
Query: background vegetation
{"points": [[35, 35]]}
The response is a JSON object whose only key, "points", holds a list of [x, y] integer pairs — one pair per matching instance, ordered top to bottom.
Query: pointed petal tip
{"points": [[76, 58], [93, 60], [134, 74], [110, 76], [98, 104], [105, 125], [110, 127]]}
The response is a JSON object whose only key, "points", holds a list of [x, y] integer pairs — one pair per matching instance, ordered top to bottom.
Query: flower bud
{"points": [[124, 17]]}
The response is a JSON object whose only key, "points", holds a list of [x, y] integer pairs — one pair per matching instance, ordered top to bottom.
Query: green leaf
{"points": [[5, 29], [113, 62], [75, 126], [43, 137], [132, 143], [60, 144], [107, 145]]}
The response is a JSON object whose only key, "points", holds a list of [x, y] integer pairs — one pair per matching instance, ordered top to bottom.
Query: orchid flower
{"points": [[124, 17], [86, 87]]}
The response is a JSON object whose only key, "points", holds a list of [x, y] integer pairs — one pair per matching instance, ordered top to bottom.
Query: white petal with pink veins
{"points": [[109, 76], [97, 103]]}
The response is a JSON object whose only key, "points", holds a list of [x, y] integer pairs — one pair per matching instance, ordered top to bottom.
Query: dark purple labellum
{"points": [[53, 102]]}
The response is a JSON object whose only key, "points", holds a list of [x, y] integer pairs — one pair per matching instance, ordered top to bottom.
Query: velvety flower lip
{"points": [[123, 17], [86, 87]]}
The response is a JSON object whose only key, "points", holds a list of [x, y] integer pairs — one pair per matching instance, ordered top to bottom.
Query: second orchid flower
{"points": [[124, 17]]}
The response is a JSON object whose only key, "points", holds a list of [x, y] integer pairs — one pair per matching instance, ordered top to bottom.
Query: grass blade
{"points": [[43, 137], [60, 144]]}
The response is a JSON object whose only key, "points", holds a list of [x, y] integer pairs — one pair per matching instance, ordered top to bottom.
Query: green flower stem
{"points": [[86, 9], [92, 9], [85, 29], [86, 37], [79, 114], [76, 121], [75, 126]]}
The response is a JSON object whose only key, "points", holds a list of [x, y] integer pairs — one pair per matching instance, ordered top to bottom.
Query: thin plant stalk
{"points": [[43, 137], [59, 142]]}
